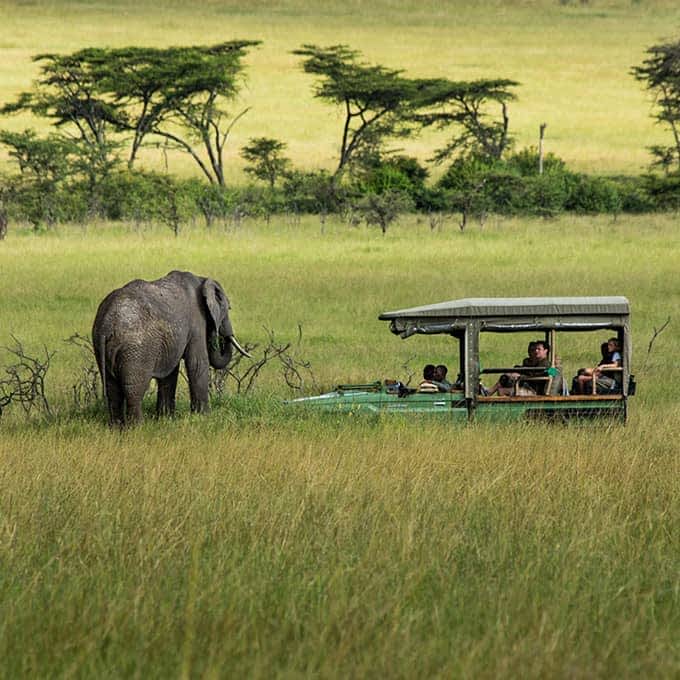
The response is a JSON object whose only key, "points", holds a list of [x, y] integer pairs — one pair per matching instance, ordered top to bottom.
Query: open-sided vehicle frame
{"points": [[465, 320]]}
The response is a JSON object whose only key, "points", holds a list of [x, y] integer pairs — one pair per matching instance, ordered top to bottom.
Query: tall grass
{"points": [[572, 60], [335, 282], [256, 541], [326, 548]]}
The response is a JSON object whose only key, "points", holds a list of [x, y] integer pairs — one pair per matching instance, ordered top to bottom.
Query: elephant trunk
{"points": [[221, 345]]}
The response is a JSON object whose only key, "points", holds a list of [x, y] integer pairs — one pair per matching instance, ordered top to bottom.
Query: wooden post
{"points": [[542, 128]]}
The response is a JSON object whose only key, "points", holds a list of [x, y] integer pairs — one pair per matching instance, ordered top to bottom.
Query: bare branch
{"points": [[656, 334], [244, 372], [25, 382], [86, 389]]}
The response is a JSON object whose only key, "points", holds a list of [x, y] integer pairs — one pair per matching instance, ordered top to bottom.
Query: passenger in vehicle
{"points": [[538, 351], [440, 380], [582, 381], [606, 382], [427, 384], [505, 386]]}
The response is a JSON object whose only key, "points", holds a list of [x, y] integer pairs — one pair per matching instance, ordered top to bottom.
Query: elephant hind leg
{"points": [[134, 386], [115, 401], [165, 401], [133, 407]]}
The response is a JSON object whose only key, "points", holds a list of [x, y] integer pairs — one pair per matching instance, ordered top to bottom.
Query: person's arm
{"points": [[614, 362]]}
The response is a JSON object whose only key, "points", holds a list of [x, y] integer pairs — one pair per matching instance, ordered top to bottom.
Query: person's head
{"points": [[613, 345], [530, 348], [540, 350], [604, 350], [428, 372], [440, 372], [506, 381]]}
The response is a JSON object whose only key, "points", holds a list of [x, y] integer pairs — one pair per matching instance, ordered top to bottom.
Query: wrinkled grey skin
{"points": [[145, 328]]}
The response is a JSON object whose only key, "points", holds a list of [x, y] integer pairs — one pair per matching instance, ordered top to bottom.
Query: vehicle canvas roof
{"points": [[520, 307]]}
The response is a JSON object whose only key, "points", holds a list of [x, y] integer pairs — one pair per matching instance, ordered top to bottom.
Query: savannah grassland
{"points": [[261, 542]]}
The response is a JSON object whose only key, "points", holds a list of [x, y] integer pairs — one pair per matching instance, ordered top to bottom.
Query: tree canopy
{"points": [[660, 72], [176, 94], [376, 100], [381, 103], [466, 106]]}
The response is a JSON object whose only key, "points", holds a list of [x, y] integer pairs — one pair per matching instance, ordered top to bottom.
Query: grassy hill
{"points": [[571, 58]]}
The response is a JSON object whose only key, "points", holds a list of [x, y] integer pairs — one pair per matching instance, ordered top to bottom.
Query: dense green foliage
{"points": [[660, 72], [145, 93], [471, 187]]}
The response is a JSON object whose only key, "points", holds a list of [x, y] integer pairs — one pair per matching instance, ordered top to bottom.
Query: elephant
{"points": [[143, 330]]}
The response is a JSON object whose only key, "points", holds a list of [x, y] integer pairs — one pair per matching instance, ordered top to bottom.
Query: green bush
{"points": [[525, 162], [396, 174], [515, 187], [663, 190], [311, 192], [634, 194], [545, 195], [592, 195], [45, 204]]}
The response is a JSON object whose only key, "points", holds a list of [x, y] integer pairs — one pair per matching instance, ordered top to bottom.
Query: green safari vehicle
{"points": [[552, 319]]}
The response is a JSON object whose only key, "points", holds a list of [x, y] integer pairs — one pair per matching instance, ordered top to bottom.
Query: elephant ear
{"points": [[216, 301]]}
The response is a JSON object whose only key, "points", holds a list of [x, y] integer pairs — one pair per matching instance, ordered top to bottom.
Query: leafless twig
{"points": [[656, 334], [410, 371], [244, 372], [25, 381], [86, 389]]}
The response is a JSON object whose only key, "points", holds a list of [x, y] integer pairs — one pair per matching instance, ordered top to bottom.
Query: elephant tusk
{"points": [[245, 353]]}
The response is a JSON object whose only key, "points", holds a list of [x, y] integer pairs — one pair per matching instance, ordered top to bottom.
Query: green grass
{"points": [[572, 61], [259, 542], [340, 550]]}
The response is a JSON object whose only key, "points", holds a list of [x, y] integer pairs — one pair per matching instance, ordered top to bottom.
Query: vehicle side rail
{"points": [[558, 398]]}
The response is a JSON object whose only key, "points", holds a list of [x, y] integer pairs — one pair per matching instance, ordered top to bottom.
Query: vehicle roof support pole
{"points": [[471, 365]]}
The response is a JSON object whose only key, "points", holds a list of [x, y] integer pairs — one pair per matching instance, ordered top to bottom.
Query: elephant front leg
{"points": [[198, 373], [167, 388]]}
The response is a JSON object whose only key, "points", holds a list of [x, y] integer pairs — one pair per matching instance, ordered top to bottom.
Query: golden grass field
{"points": [[572, 60], [258, 542]]}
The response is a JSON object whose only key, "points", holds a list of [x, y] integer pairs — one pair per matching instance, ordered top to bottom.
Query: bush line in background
{"points": [[102, 100], [471, 188]]}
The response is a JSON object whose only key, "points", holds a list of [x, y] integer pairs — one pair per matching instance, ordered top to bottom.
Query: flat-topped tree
{"points": [[660, 72], [69, 93], [178, 94], [377, 101], [468, 107]]}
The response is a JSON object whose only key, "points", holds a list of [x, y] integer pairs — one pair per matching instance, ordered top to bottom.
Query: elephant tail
{"points": [[101, 360]]}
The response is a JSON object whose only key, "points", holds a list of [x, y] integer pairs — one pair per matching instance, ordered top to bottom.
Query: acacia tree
{"points": [[660, 73], [204, 79], [68, 92], [177, 94], [377, 101], [380, 103], [466, 106], [265, 157]]}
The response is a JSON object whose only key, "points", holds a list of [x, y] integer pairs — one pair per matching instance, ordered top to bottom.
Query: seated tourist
{"points": [[440, 380], [606, 382], [428, 384], [523, 384], [505, 387]]}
